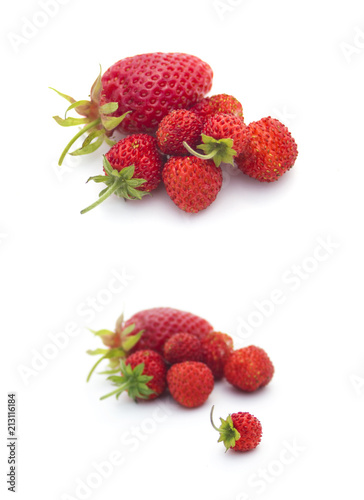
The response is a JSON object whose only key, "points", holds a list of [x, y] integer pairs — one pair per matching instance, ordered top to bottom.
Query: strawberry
{"points": [[134, 95], [220, 103], [178, 126], [223, 138], [269, 151], [132, 169], [191, 183], [182, 347], [216, 348], [249, 368], [143, 376], [190, 383], [240, 431]]}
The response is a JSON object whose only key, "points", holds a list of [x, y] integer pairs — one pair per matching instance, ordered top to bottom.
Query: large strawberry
{"points": [[141, 89], [269, 150], [133, 168], [191, 183], [147, 329], [190, 383], [240, 431]]}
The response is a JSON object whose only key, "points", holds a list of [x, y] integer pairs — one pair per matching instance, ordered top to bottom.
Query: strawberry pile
{"points": [[175, 135], [165, 349]]}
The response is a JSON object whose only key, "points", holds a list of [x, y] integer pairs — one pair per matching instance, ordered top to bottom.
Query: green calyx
{"points": [[98, 124], [219, 150], [122, 183], [126, 342], [131, 380], [228, 434]]}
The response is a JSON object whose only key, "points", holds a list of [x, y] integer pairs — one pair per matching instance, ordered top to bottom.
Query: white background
{"points": [[301, 62]]}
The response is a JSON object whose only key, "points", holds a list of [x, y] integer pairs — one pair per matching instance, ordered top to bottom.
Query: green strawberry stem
{"points": [[97, 118], [74, 139], [220, 150], [199, 155], [122, 183], [102, 198], [108, 354], [132, 380], [228, 434]]}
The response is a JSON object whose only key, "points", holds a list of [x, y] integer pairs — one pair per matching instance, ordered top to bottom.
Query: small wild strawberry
{"points": [[219, 103], [178, 126], [223, 138], [269, 150], [132, 169], [191, 183], [182, 347], [216, 348], [249, 368], [143, 376], [190, 383], [240, 431]]}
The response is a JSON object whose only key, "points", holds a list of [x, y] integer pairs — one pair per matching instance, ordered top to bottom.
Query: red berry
{"points": [[151, 85], [134, 95], [220, 103], [178, 126], [224, 126], [269, 150], [132, 169], [191, 183], [182, 347], [216, 348], [249, 368], [143, 376], [190, 383], [240, 431]]}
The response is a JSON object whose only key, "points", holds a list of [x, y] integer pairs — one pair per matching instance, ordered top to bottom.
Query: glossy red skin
{"points": [[151, 85], [224, 126], [177, 127], [269, 150], [141, 151], [191, 183], [160, 323], [182, 347], [216, 348], [154, 366], [249, 368], [190, 383], [250, 430]]}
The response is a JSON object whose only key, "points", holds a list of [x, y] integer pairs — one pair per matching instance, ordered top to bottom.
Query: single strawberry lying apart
{"points": [[134, 94], [240, 431]]}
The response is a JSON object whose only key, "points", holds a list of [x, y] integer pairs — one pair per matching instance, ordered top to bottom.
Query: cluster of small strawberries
{"points": [[177, 135], [163, 349]]}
